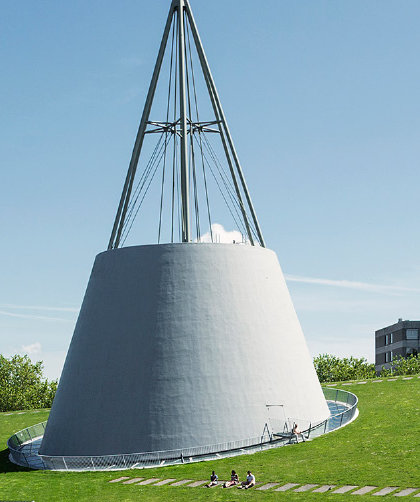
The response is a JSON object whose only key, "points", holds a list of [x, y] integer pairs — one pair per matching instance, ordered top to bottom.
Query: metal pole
{"points": [[206, 70], [207, 78], [225, 147], [125, 196], [185, 210]]}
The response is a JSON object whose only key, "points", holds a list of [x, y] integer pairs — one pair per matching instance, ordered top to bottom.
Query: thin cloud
{"points": [[361, 286], [38, 307], [38, 317], [32, 349]]}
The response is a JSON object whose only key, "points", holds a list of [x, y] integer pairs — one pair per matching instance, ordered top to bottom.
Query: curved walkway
{"points": [[25, 444]]}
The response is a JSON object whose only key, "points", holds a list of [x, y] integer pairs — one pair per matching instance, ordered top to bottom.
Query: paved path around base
{"points": [[358, 382], [131, 481], [149, 481], [164, 482], [182, 482], [197, 483], [267, 486], [278, 487], [305, 488], [324, 488], [345, 489], [364, 490], [385, 491], [407, 491]]}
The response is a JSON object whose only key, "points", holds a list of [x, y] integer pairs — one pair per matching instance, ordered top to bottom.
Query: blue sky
{"points": [[323, 103]]}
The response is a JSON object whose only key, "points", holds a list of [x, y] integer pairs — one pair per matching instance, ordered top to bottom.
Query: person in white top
{"points": [[296, 433], [214, 479], [250, 481]]}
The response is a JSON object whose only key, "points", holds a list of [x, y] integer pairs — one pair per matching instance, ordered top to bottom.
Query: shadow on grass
{"points": [[7, 466]]}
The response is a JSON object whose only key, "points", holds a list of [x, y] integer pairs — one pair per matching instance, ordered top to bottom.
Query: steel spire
{"points": [[179, 18]]}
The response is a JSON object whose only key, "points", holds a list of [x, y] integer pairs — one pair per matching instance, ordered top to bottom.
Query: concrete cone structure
{"points": [[184, 345], [180, 346]]}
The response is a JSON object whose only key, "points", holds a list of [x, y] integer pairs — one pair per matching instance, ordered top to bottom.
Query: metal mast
{"points": [[180, 14], [185, 211]]}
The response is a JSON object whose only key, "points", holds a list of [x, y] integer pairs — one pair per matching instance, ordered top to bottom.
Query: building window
{"points": [[412, 334], [389, 339], [388, 357]]}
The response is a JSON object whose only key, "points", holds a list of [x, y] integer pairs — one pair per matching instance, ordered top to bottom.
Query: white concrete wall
{"points": [[181, 345]]}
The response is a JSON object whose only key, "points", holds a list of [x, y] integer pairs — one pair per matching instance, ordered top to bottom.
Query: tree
{"points": [[331, 368], [22, 385]]}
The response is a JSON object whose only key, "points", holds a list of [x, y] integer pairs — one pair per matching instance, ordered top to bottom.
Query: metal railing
{"points": [[24, 445]]}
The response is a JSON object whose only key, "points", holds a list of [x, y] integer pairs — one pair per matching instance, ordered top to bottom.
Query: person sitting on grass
{"points": [[296, 432], [214, 479], [234, 480], [250, 481]]}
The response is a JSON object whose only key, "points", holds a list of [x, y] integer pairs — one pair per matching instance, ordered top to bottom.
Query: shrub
{"points": [[409, 365], [331, 368]]}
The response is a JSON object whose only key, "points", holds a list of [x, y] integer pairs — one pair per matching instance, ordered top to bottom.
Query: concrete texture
{"points": [[166, 335], [132, 481], [148, 481], [164, 482], [182, 482], [189, 483], [197, 483], [267, 486], [286, 487], [305, 488], [324, 488], [345, 489], [364, 490], [385, 491], [404, 493]]}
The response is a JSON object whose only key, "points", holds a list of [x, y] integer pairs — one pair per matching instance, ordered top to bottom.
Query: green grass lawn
{"points": [[380, 448]]}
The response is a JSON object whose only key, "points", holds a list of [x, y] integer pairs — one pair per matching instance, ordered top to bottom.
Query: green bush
{"points": [[403, 366], [331, 368], [22, 386]]}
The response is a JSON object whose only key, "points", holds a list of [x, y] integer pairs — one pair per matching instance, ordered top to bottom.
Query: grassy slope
{"points": [[380, 448]]}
